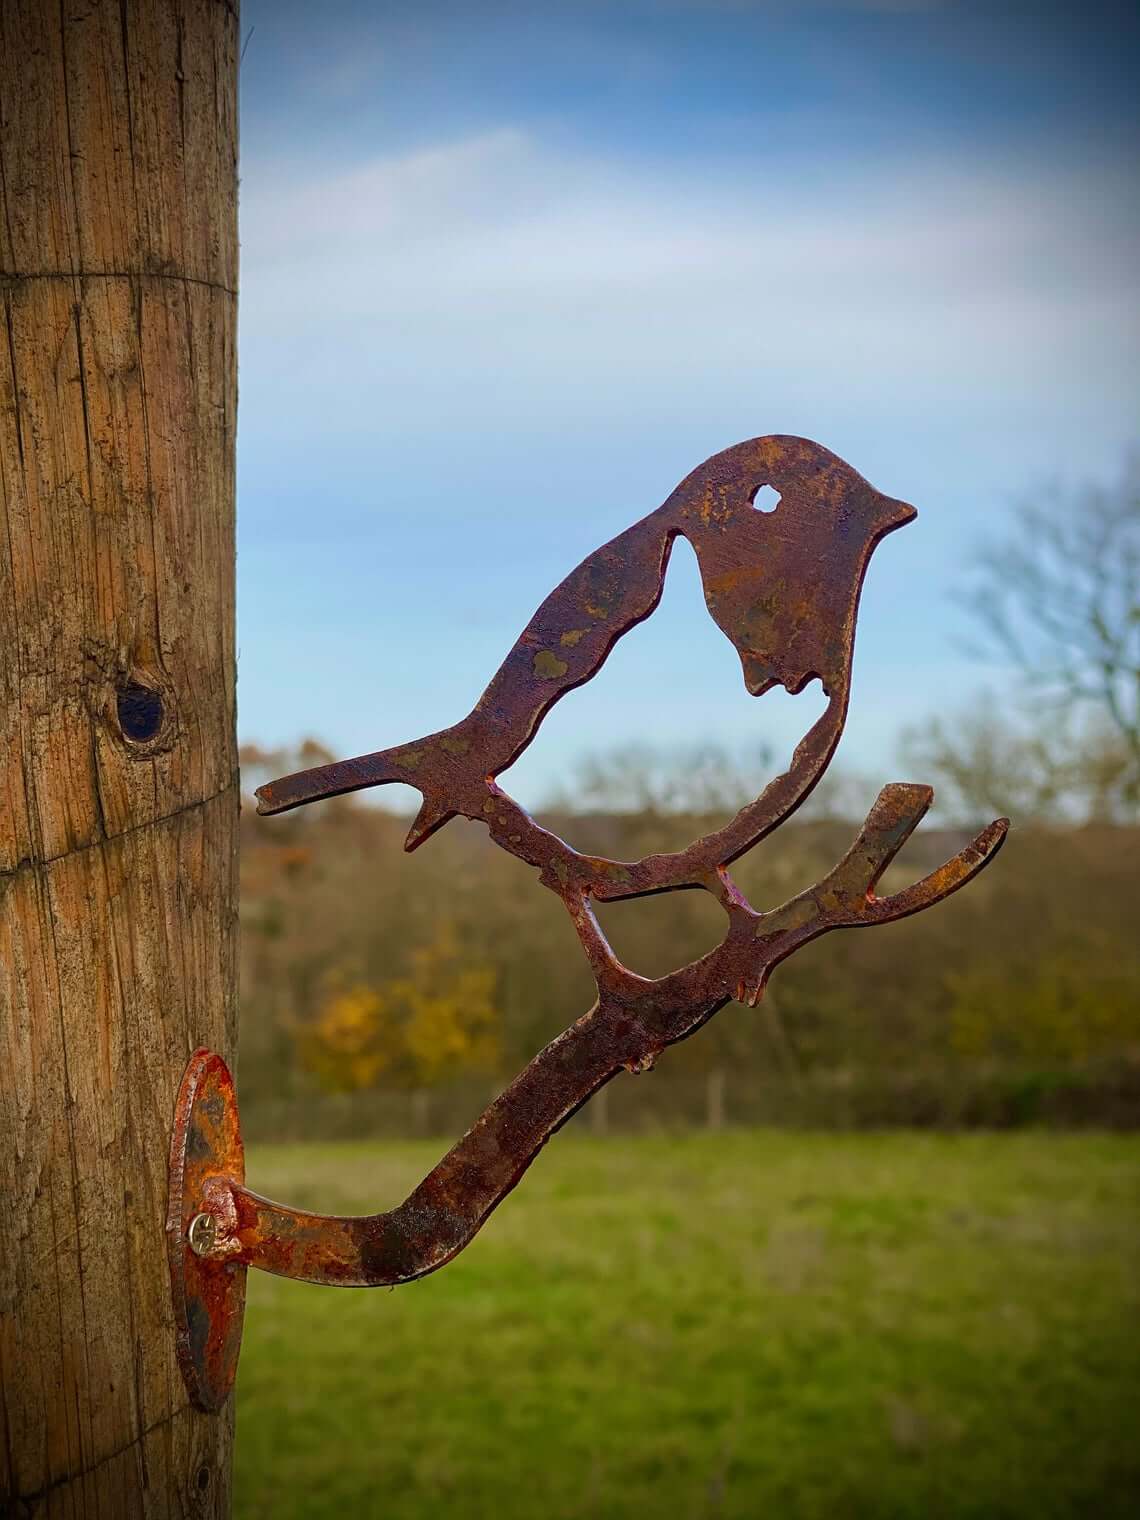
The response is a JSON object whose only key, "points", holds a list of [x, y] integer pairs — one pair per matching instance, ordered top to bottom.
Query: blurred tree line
{"points": [[372, 972]]}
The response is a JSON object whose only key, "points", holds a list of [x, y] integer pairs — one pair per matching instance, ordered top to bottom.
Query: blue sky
{"points": [[509, 272]]}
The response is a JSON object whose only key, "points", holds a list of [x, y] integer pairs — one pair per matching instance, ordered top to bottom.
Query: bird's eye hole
{"points": [[765, 498]]}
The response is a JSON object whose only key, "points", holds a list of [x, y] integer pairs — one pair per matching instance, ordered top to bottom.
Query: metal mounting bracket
{"points": [[206, 1158]]}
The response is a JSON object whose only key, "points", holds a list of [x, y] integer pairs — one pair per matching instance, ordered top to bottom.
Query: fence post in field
{"points": [[118, 766], [715, 1098], [600, 1112]]}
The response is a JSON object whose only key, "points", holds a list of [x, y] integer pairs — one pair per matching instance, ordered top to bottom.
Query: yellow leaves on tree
{"points": [[410, 1031], [345, 1047]]}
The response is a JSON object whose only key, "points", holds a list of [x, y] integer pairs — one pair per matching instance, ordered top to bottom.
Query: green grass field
{"points": [[750, 1324]]}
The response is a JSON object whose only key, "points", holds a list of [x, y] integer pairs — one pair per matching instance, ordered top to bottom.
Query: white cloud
{"points": [[498, 273]]}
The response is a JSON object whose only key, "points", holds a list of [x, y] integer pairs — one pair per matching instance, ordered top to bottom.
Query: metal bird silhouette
{"points": [[783, 586]]}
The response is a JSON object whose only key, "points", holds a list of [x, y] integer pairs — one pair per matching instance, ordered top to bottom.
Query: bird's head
{"points": [[783, 584]]}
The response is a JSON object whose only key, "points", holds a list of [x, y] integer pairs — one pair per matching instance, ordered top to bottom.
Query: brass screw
{"points": [[202, 1234]]}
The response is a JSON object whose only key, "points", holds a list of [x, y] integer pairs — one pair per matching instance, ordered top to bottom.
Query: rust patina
{"points": [[783, 586]]}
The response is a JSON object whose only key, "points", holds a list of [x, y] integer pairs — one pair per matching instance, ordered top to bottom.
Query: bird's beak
{"points": [[896, 514]]}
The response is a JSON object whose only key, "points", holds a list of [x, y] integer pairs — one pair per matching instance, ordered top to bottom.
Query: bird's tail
{"points": [[331, 781]]}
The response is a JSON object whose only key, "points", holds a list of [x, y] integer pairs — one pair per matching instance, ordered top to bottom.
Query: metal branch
{"points": [[632, 1022]]}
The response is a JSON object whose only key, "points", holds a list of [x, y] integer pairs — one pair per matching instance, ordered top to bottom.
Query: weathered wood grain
{"points": [[118, 274]]}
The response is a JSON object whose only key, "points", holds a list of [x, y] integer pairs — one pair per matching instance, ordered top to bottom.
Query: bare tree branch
{"points": [[1060, 598]]}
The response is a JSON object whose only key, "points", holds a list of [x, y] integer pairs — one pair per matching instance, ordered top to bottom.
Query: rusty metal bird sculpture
{"points": [[784, 587]]}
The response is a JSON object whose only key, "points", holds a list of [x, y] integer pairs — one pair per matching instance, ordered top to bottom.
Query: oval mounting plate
{"points": [[209, 1295]]}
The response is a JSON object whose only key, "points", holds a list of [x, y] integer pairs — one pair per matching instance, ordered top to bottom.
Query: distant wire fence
{"points": [[1099, 1095]]}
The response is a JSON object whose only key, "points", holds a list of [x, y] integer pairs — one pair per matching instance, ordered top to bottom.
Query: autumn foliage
{"points": [[366, 970], [410, 1031]]}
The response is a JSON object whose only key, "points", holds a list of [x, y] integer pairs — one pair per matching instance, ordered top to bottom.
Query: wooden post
{"points": [[118, 766]]}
